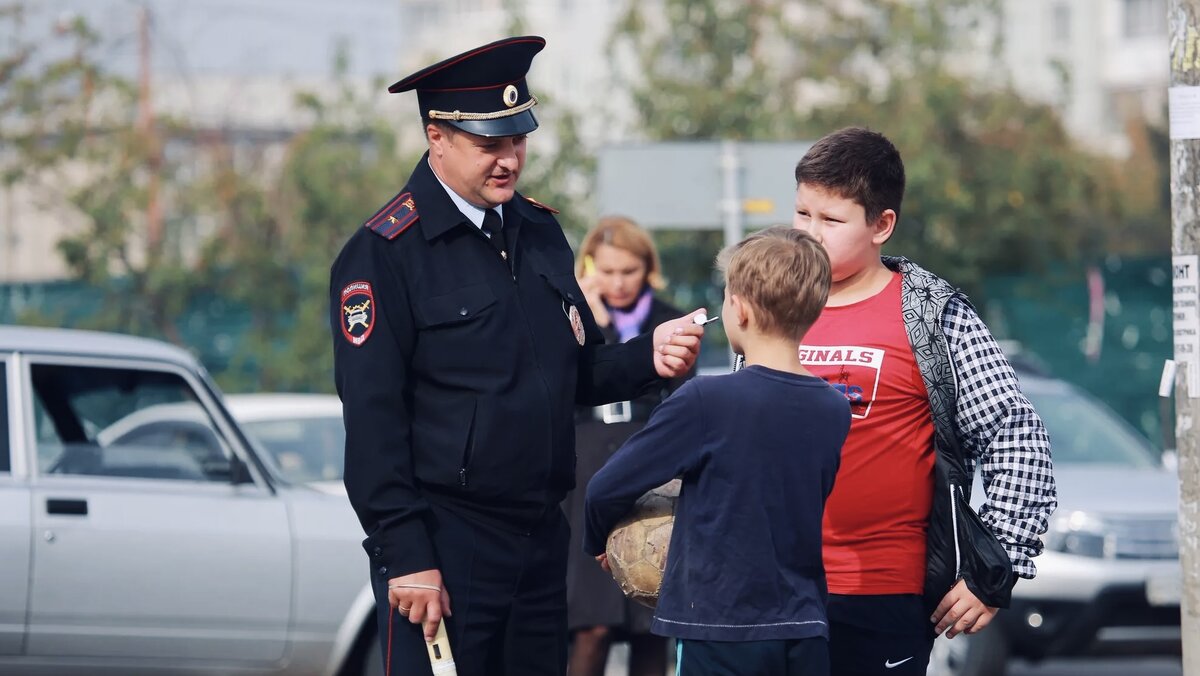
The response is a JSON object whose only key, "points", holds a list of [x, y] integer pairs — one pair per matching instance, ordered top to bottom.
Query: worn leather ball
{"points": [[637, 547]]}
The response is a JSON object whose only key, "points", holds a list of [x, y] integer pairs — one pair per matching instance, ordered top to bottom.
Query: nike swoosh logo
{"points": [[892, 665]]}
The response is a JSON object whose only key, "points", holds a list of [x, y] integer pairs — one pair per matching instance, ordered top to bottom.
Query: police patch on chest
{"points": [[358, 312], [576, 324]]}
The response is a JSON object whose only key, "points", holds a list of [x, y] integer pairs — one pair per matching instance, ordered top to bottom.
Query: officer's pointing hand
{"points": [[676, 345], [422, 598]]}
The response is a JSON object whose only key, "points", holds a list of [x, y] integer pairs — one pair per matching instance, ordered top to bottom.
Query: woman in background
{"points": [[619, 273]]}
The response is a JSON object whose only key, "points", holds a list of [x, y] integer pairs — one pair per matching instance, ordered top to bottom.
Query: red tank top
{"points": [[875, 518]]}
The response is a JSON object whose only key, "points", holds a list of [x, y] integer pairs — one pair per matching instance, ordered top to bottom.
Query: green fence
{"points": [[1048, 315], [210, 328]]}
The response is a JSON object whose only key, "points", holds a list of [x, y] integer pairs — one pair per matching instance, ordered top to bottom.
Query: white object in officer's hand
{"points": [[702, 319], [441, 660]]}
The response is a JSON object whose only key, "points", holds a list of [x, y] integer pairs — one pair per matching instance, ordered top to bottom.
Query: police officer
{"points": [[462, 344]]}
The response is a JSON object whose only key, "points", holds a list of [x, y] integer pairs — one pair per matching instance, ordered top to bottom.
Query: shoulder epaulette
{"points": [[543, 207], [395, 217]]}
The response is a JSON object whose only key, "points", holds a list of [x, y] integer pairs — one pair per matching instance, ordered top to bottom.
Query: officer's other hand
{"points": [[676, 345], [602, 559], [419, 603], [961, 612]]}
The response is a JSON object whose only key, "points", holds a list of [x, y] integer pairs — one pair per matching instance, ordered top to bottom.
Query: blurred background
{"points": [[186, 170]]}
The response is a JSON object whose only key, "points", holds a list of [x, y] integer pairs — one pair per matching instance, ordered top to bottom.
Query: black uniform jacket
{"points": [[459, 377]]}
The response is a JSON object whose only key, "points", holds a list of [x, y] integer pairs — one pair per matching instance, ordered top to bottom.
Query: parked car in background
{"points": [[302, 432], [143, 532], [1109, 579]]}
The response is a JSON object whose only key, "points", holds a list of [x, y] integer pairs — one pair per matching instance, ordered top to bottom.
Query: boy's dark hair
{"points": [[857, 164]]}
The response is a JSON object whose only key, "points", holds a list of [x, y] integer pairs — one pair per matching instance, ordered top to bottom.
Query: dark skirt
{"points": [[593, 598]]}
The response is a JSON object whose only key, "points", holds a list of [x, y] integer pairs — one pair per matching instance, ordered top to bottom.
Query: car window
{"points": [[124, 422], [1083, 431], [309, 449], [5, 459]]}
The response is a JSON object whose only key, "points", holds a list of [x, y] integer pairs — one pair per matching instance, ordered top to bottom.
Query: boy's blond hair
{"points": [[784, 274]]}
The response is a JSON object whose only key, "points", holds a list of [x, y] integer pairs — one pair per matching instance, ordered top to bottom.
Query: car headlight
{"points": [[1081, 534]]}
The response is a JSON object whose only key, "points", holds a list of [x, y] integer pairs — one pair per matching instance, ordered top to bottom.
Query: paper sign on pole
{"points": [[1186, 308]]}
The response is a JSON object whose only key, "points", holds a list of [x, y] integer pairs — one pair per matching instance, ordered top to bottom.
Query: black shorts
{"points": [[884, 635], [794, 657]]}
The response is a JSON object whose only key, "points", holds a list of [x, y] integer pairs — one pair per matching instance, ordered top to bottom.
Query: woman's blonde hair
{"points": [[622, 233]]}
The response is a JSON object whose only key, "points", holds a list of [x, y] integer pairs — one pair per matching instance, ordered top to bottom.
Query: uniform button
{"points": [[570, 296], [462, 311], [378, 551], [383, 570]]}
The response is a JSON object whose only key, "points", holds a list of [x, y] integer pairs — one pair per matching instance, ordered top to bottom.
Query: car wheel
{"points": [[982, 654], [365, 659], [372, 664]]}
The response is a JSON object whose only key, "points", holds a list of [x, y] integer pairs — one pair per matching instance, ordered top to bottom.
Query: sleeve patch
{"points": [[395, 217], [358, 312]]}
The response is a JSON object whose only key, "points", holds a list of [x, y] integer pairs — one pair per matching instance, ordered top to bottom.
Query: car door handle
{"points": [[65, 506]]}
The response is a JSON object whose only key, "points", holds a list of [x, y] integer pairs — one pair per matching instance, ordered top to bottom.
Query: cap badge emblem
{"points": [[510, 96]]}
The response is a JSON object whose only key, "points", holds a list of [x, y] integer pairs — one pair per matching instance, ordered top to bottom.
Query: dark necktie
{"points": [[493, 228]]}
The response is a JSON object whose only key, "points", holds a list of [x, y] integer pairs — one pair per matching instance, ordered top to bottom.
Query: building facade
{"points": [[1102, 63]]}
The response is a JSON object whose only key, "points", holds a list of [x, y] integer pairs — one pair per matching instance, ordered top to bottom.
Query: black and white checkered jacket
{"points": [[981, 420]]}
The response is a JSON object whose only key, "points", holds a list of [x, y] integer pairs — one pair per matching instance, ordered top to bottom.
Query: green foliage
{"points": [[719, 69], [701, 70], [52, 106], [71, 131], [559, 171], [336, 172], [994, 184], [239, 228], [248, 236]]}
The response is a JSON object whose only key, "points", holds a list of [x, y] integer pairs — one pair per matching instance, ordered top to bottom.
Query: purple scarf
{"points": [[628, 322]]}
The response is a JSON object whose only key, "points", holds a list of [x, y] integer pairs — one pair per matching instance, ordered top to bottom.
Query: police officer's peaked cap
{"points": [[481, 91]]}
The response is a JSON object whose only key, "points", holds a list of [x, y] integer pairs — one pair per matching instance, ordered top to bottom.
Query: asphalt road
{"points": [[1125, 666], [1108, 667]]}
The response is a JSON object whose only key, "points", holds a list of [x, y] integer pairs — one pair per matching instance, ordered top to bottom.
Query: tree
{"points": [[701, 70], [51, 105], [71, 132], [348, 161], [559, 172], [994, 183], [995, 186], [240, 230], [249, 237]]}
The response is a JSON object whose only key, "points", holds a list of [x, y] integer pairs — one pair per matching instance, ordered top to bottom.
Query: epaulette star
{"points": [[395, 217]]}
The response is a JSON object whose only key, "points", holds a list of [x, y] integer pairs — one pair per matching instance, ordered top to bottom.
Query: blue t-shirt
{"points": [[757, 451]]}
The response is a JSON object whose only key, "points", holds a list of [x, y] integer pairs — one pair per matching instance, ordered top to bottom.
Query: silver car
{"points": [[303, 433], [143, 533], [1109, 580]]}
